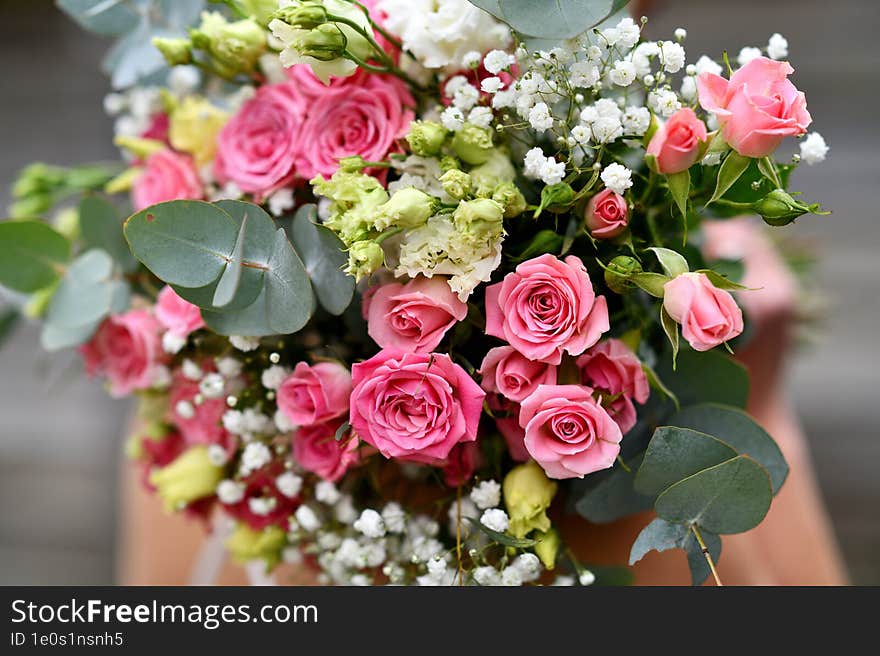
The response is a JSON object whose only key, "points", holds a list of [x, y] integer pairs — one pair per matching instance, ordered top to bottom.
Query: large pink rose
{"points": [[757, 108], [363, 120], [676, 143], [257, 148], [166, 176], [607, 214], [545, 307], [177, 316], [415, 316], [708, 316], [127, 348], [613, 369], [507, 372], [314, 394], [414, 405], [199, 423], [567, 432], [317, 450]]}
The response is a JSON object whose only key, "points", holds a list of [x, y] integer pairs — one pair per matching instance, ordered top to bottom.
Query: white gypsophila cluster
{"points": [[440, 33], [777, 46], [747, 54], [183, 80], [133, 110], [813, 148], [540, 167], [617, 177], [281, 201], [172, 343], [244, 344], [229, 367], [191, 370], [272, 377], [212, 386], [282, 422], [217, 455], [254, 456], [289, 484], [230, 492], [486, 494], [495, 519]]}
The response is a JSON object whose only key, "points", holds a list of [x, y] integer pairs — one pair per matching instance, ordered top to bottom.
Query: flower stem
{"points": [[706, 554]]}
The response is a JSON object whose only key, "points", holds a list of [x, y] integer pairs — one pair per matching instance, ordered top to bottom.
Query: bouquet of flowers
{"points": [[407, 280]]}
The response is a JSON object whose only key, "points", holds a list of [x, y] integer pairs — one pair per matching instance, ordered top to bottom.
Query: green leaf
{"points": [[109, 17], [559, 19], [732, 168], [768, 169], [679, 188], [101, 227], [183, 242], [31, 255], [323, 256], [673, 262], [230, 279], [650, 282], [721, 282], [671, 330], [710, 377], [656, 383], [741, 432], [674, 454], [613, 497], [732, 497], [503, 538]]}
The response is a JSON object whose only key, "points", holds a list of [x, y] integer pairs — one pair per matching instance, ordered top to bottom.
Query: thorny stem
{"points": [[706, 554]]}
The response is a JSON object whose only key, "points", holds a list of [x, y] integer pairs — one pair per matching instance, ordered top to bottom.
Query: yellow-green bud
{"points": [[260, 10], [303, 17], [324, 43], [233, 47], [176, 52], [426, 138], [473, 144], [138, 146], [448, 162], [353, 164], [124, 181], [456, 183], [510, 198], [556, 198], [407, 208], [778, 208], [480, 219], [66, 222], [364, 257], [619, 271], [190, 477], [527, 495], [245, 544], [547, 548]]}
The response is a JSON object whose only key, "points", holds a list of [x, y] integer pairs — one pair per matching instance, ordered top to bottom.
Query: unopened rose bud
{"points": [[176, 52], [426, 138], [473, 144], [456, 183], [510, 198], [556, 198], [778, 208], [364, 257], [619, 271]]}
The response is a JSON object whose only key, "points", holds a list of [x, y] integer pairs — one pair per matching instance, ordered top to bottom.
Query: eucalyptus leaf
{"points": [[108, 17], [550, 19], [732, 168], [101, 227], [31, 255], [324, 258], [229, 281], [289, 295], [709, 377], [735, 428], [674, 454], [613, 497], [732, 497], [659, 535], [696, 560]]}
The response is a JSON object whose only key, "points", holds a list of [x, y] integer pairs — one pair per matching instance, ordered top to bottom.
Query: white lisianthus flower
{"points": [[777, 46], [813, 148], [617, 178]]}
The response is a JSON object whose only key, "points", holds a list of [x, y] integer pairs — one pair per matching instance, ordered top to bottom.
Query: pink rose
{"points": [[757, 108], [363, 120], [676, 144], [257, 148], [167, 176], [607, 214], [545, 307], [415, 316], [708, 316], [179, 317], [127, 349], [613, 369], [512, 375], [314, 394], [414, 405], [506, 414], [199, 423], [567, 432], [317, 450]]}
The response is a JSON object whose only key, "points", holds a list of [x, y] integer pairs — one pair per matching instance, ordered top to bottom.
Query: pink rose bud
{"points": [[757, 108], [676, 144], [166, 176], [607, 214], [546, 307], [177, 316], [415, 316], [708, 316], [127, 349], [613, 369], [507, 372], [314, 394], [415, 406], [567, 432], [317, 450]]}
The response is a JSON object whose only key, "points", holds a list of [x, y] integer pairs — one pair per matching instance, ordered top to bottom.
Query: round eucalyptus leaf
{"points": [[110, 17], [550, 19], [101, 227], [183, 242], [31, 255], [323, 256], [85, 294], [289, 297], [55, 338], [709, 377], [732, 497]]}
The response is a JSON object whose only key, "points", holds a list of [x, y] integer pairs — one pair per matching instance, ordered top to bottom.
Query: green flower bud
{"points": [[260, 10], [304, 17], [324, 43], [233, 47], [176, 52], [426, 138], [473, 144], [448, 162], [353, 164], [456, 183], [510, 198], [556, 198], [31, 206], [407, 208], [778, 208], [481, 220], [66, 222], [364, 257], [619, 271], [190, 477], [528, 494], [245, 544], [547, 548]]}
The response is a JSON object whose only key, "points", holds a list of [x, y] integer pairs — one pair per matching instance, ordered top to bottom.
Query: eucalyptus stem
{"points": [[706, 554]]}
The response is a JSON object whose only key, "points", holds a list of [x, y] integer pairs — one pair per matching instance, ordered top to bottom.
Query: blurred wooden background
{"points": [[60, 435]]}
